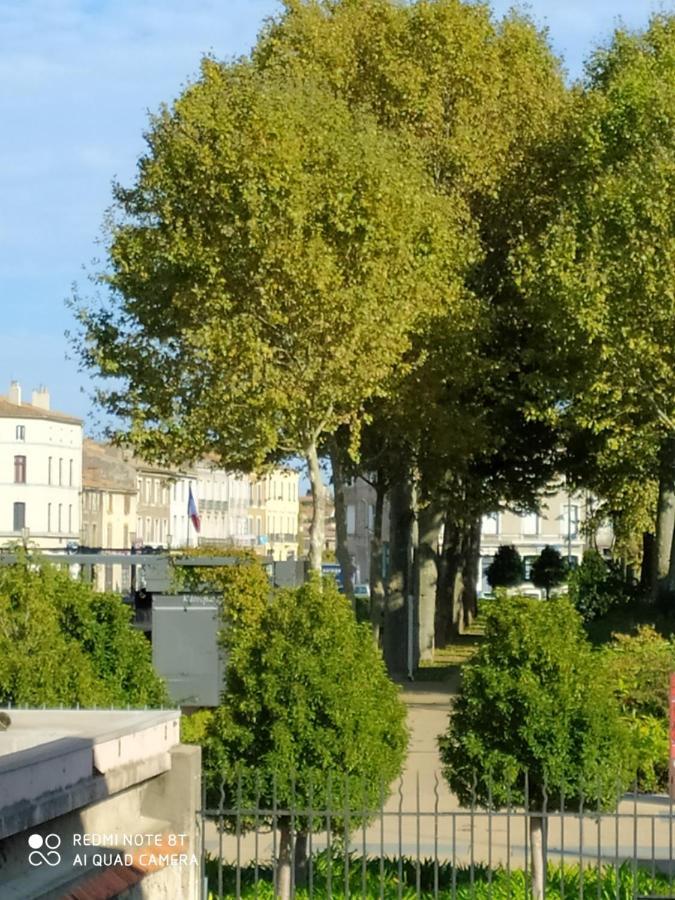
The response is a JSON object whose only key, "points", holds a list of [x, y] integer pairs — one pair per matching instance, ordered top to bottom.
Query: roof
{"points": [[28, 411], [105, 467]]}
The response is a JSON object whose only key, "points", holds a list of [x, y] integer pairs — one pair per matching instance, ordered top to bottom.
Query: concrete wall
{"points": [[133, 830]]}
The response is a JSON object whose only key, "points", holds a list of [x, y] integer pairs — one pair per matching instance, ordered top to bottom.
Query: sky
{"points": [[78, 80]]}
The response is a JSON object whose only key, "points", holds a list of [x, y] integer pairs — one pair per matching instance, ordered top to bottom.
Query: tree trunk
{"points": [[430, 521], [665, 521], [316, 528], [341, 548], [471, 557], [648, 563], [377, 593], [457, 595], [448, 619], [395, 620], [538, 855], [284, 861], [301, 861]]}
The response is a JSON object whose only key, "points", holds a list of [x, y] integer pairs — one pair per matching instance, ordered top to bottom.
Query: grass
{"points": [[447, 660], [392, 878]]}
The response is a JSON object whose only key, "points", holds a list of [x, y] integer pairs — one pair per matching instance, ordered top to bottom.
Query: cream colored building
{"points": [[40, 471], [109, 491], [224, 506], [153, 507], [275, 513], [559, 524]]}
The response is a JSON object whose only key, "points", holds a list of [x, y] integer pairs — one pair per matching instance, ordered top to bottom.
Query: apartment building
{"points": [[40, 471], [224, 501], [153, 508], [360, 511], [274, 512], [109, 513], [559, 523]]}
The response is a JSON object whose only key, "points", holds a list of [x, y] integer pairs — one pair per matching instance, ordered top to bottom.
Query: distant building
{"points": [[40, 471], [224, 500], [153, 507], [274, 512], [360, 512], [109, 515], [559, 524]]}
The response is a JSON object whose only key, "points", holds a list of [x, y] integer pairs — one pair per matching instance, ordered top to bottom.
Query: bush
{"points": [[506, 569], [548, 570], [596, 586], [61, 643], [639, 668], [306, 695], [535, 698], [193, 728]]}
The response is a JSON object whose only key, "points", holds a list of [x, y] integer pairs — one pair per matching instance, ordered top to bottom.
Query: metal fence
{"points": [[418, 842]]}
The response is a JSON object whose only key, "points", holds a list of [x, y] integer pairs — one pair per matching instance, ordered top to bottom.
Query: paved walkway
{"points": [[422, 817]]}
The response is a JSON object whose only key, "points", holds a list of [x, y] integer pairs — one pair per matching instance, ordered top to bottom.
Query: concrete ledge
{"points": [[26, 814]]}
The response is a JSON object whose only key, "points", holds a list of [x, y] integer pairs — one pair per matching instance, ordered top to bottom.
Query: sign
{"points": [[333, 570]]}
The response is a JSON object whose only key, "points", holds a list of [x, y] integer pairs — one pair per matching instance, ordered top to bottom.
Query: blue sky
{"points": [[78, 79]]}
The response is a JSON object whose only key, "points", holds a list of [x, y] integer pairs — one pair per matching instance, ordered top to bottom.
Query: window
{"points": [[21, 432], [19, 470], [49, 470], [60, 473], [70, 473], [111, 498], [127, 505], [19, 516], [49, 517], [371, 517], [70, 519], [351, 519], [60, 522], [529, 523], [490, 524], [569, 526], [109, 536], [125, 542]]}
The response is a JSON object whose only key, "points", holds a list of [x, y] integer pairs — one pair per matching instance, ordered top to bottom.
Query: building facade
{"points": [[40, 471], [224, 500], [153, 507], [360, 511], [275, 513], [109, 515], [560, 523]]}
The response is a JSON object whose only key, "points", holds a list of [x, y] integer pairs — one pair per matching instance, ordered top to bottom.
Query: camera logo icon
{"points": [[44, 850]]}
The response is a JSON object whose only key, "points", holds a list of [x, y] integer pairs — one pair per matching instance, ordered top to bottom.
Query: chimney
{"points": [[14, 395], [41, 397]]}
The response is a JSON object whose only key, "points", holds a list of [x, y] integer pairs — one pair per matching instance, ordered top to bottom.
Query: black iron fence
{"points": [[418, 842]]}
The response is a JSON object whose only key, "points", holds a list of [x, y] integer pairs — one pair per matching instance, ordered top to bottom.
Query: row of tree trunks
{"points": [[456, 597]]}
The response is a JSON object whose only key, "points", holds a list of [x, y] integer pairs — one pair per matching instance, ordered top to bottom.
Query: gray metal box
{"points": [[185, 649]]}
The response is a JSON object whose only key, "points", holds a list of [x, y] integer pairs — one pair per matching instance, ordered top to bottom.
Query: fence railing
{"points": [[420, 843]]}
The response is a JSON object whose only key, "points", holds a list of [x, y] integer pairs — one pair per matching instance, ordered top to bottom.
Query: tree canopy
{"points": [[267, 271]]}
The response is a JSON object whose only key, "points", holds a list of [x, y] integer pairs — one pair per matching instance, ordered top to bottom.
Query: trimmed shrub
{"points": [[506, 569]]}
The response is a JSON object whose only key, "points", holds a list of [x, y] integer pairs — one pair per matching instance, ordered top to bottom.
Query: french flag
{"points": [[193, 512]]}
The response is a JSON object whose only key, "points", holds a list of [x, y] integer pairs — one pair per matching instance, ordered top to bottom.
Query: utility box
{"points": [[185, 648]]}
